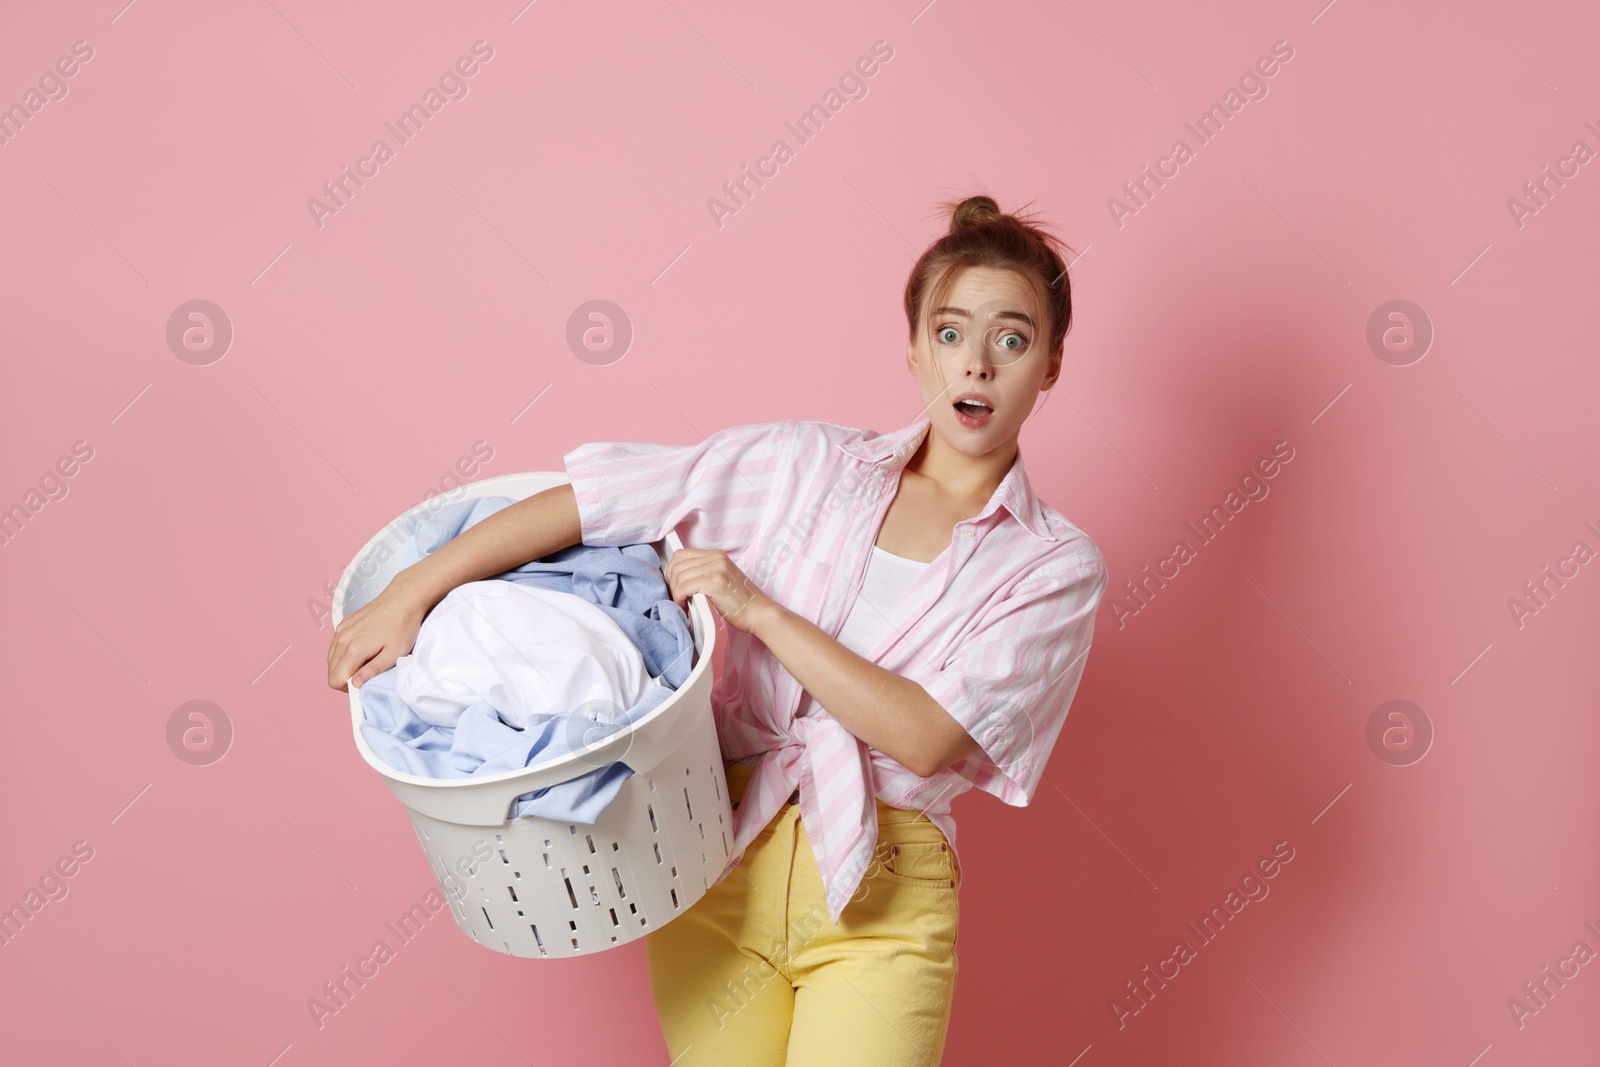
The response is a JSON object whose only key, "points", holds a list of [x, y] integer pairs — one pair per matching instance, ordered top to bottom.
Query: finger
{"points": [[682, 558], [687, 574], [681, 595], [342, 636], [354, 657], [367, 671], [336, 675]]}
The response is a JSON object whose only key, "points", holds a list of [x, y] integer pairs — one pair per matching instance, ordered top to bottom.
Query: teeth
{"points": [[975, 403]]}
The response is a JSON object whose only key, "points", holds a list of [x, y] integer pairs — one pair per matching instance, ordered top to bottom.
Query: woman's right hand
{"points": [[368, 641]]}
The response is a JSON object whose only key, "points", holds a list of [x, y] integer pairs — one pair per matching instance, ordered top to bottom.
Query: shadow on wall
{"points": [[1172, 833]]}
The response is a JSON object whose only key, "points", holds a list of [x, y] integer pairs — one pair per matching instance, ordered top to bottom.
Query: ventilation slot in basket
{"points": [[686, 802], [651, 808], [589, 838], [512, 890], [621, 892], [570, 894], [674, 898], [486, 918], [538, 940]]}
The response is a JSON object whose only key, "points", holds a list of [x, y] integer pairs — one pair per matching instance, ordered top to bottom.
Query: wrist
{"points": [[415, 586], [766, 615]]}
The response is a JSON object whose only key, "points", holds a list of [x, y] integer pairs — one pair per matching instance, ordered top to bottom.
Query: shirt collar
{"points": [[895, 449]]}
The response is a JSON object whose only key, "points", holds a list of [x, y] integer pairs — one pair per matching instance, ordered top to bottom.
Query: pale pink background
{"points": [[1225, 316]]}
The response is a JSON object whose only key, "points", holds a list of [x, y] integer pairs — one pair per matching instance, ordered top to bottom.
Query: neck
{"points": [[970, 479]]}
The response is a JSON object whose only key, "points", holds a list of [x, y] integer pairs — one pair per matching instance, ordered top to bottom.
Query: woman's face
{"points": [[986, 337]]}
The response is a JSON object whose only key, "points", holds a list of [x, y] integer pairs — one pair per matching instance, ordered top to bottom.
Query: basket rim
{"points": [[699, 608]]}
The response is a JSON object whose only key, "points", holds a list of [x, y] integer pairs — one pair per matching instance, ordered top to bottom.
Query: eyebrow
{"points": [[997, 315]]}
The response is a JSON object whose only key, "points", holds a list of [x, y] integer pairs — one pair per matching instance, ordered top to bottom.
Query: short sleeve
{"points": [[714, 493], [1010, 683]]}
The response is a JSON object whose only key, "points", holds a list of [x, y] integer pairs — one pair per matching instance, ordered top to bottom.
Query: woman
{"points": [[908, 620]]}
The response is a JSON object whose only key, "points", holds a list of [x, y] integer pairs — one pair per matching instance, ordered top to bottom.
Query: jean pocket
{"points": [[925, 864]]}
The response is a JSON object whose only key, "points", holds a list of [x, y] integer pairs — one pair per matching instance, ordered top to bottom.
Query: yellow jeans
{"points": [[755, 973]]}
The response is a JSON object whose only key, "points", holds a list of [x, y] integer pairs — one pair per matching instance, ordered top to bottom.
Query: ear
{"points": [[1052, 374]]}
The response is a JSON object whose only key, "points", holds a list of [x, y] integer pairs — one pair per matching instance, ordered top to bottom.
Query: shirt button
{"points": [[967, 533]]}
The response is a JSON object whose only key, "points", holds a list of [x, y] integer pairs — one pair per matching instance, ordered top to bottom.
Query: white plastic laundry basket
{"points": [[537, 888]]}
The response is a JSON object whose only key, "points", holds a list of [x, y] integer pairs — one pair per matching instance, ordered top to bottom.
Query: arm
{"points": [[714, 493], [530, 529], [370, 640], [1004, 691], [891, 713]]}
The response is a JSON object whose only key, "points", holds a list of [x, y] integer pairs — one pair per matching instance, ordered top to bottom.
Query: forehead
{"points": [[991, 288]]}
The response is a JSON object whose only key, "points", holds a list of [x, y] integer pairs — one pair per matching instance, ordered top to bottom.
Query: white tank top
{"points": [[885, 584], [883, 587]]}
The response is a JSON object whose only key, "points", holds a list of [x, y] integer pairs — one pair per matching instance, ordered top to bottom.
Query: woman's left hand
{"points": [[710, 571]]}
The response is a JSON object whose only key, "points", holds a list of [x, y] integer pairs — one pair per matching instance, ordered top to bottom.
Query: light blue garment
{"points": [[627, 584]]}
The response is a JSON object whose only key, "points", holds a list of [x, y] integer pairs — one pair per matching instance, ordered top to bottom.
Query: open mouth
{"points": [[974, 409]]}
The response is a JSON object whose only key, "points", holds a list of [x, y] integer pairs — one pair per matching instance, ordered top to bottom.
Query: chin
{"points": [[972, 441]]}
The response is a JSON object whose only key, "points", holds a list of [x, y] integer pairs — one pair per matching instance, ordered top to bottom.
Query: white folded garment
{"points": [[529, 653]]}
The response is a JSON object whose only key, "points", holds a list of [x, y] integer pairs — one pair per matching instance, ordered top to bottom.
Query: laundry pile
{"points": [[529, 665]]}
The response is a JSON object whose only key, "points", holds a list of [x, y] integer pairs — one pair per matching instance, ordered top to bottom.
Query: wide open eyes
{"points": [[1006, 345]]}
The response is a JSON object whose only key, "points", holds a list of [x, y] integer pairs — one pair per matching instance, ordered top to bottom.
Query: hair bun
{"points": [[973, 210]]}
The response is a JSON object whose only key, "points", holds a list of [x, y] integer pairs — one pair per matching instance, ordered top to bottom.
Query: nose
{"points": [[978, 363]]}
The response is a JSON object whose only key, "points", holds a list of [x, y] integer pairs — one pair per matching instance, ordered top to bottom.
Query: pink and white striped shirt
{"points": [[996, 629]]}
